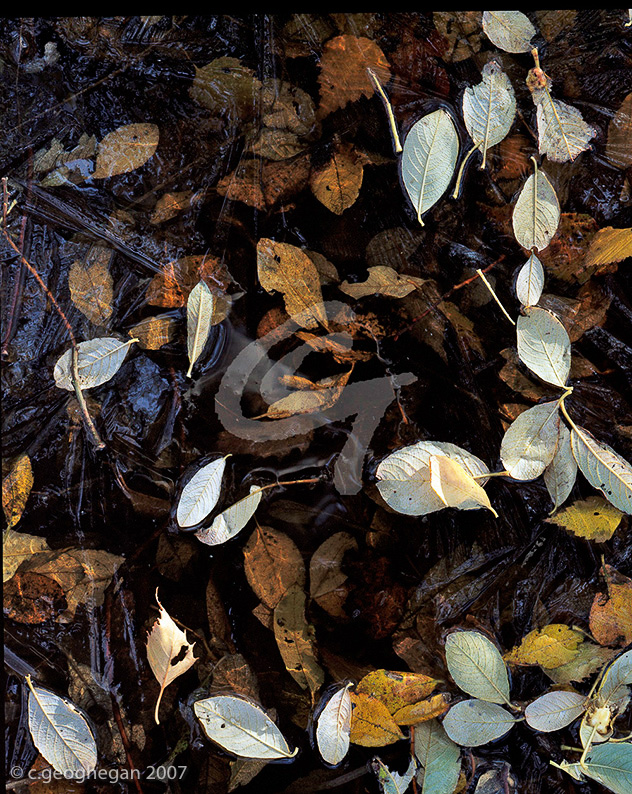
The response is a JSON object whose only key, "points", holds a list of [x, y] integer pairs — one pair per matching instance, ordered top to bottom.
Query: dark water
{"points": [[410, 577]]}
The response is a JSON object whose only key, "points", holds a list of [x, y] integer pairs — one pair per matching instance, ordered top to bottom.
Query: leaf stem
{"points": [[389, 111], [457, 187], [494, 296], [74, 370], [565, 412], [491, 474]]}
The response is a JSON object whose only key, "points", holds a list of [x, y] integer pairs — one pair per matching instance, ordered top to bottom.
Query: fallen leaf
{"points": [[555, 23], [461, 30], [512, 31], [343, 74], [226, 88], [619, 144], [126, 149], [513, 154], [337, 184], [170, 205], [536, 213], [607, 247], [564, 256], [382, 280], [171, 286], [91, 288], [200, 307], [154, 332], [339, 345], [98, 360], [318, 396], [530, 442], [604, 468], [455, 486], [16, 487], [201, 493], [232, 520], [17, 547], [273, 564], [327, 582], [32, 598], [611, 612], [295, 639], [165, 644], [550, 647], [589, 659], [233, 674], [396, 690], [423, 711], [371, 722], [333, 727], [392, 782]]}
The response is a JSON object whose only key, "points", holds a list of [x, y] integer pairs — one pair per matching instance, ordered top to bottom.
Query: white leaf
{"points": [[510, 30], [489, 108], [562, 131], [428, 160], [536, 214], [530, 281], [199, 320], [544, 345], [98, 360], [530, 442], [603, 468], [560, 474], [403, 477], [455, 486], [199, 496], [232, 520], [165, 643], [476, 666], [616, 680], [554, 710], [471, 723], [334, 726], [241, 727], [60, 732], [439, 756], [611, 765], [393, 782]]}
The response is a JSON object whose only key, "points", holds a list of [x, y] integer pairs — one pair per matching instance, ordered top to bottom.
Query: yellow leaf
{"points": [[126, 149], [337, 184], [609, 245], [154, 332], [455, 486], [16, 488], [593, 518], [17, 547], [611, 612], [550, 647], [396, 690], [423, 711], [371, 722]]}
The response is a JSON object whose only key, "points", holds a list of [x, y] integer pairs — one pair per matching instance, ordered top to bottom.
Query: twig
{"points": [[389, 111], [494, 296], [74, 370]]}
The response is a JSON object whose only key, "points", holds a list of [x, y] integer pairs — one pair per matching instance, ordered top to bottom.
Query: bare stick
{"points": [[389, 111], [494, 296]]}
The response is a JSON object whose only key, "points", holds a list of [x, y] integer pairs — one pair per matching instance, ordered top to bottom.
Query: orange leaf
{"points": [[338, 183], [611, 612], [423, 711], [371, 722]]}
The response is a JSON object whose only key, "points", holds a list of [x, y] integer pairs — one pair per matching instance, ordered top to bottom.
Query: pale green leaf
{"points": [[512, 31], [489, 108], [428, 159], [536, 214], [530, 281], [199, 320], [544, 346], [97, 361], [530, 442], [603, 468], [561, 473], [199, 496], [232, 520], [476, 666], [616, 679], [554, 710], [471, 723], [334, 726], [439, 757], [611, 765], [393, 782]]}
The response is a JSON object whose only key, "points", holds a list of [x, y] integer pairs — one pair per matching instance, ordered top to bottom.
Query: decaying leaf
{"points": [[462, 31], [512, 31], [226, 88], [619, 145], [126, 149], [337, 184], [171, 204], [536, 214], [608, 246], [290, 270], [382, 280], [90, 285], [171, 286], [154, 332], [98, 360], [312, 397], [531, 440], [603, 468], [16, 487], [593, 518], [17, 547], [273, 564], [327, 582], [32, 598], [611, 612], [295, 639], [165, 643], [550, 647], [589, 659], [423, 711], [371, 722], [333, 727]]}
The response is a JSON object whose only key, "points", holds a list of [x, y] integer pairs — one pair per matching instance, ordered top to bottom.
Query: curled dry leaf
{"points": [[512, 31], [619, 145], [126, 149], [337, 184], [382, 280], [91, 287], [98, 360], [312, 397], [530, 442], [16, 487], [199, 496], [593, 518], [273, 564], [165, 643], [550, 647], [333, 727]]}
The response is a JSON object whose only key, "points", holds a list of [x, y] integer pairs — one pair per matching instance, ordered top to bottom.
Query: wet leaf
{"points": [[462, 31], [512, 31], [343, 74], [226, 88], [489, 108], [562, 131], [619, 145], [126, 149], [428, 159], [337, 184], [170, 205], [536, 214], [609, 245], [290, 270], [382, 280], [530, 281], [171, 286], [91, 287], [199, 321], [154, 332], [544, 346], [98, 361], [322, 395], [531, 440], [603, 468], [561, 473], [403, 477], [455, 486], [16, 487], [199, 496], [593, 518], [232, 520], [17, 547], [273, 564], [327, 582], [32, 598], [611, 612], [295, 639], [165, 643], [550, 647], [589, 659], [477, 667], [616, 679], [395, 689], [554, 710], [423, 711], [371, 722], [471, 723], [241, 727], [333, 727], [60, 732], [439, 756], [611, 765], [243, 770], [392, 782]]}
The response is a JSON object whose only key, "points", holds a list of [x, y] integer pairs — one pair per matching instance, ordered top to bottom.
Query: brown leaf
{"points": [[554, 23], [462, 30], [343, 74], [226, 88], [619, 145], [126, 149], [513, 153], [337, 184], [267, 187], [170, 205], [394, 248], [563, 258], [289, 270], [382, 281], [171, 286], [91, 288], [582, 313], [154, 332], [342, 353], [513, 376], [310, 398], [16, 487], [17, 547], [174, 554], [273, 564], [328, 583], [32, 598], [611, 612], [218, 623], [233, 674], [396, 690], [423, 711], [371, 722]]}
